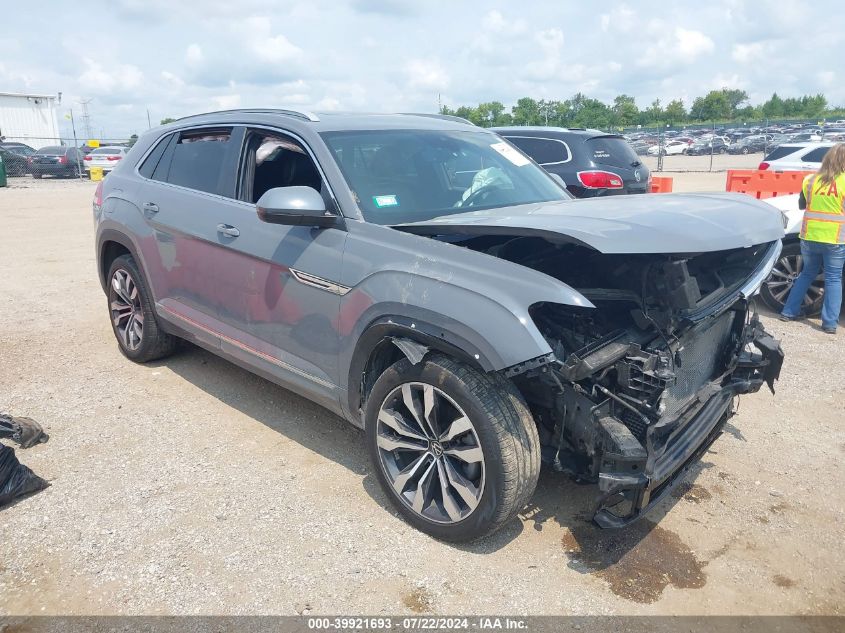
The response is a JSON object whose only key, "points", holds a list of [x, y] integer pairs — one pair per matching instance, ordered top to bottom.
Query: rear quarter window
{"points": [[610, 150], [544, 151], [779, 152], [816, 155]]}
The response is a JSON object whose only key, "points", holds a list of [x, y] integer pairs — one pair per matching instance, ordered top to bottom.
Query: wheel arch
{"points": [[112, 244], [391, 338]]}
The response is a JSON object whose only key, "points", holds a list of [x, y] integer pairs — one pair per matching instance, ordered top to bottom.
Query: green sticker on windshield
{"points": [[386, 201]]}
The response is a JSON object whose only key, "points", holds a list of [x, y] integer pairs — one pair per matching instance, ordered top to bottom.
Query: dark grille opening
{"points": [[699, 359], [635, 424]]}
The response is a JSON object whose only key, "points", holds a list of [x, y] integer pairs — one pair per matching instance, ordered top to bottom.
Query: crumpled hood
{"points": [[651, 223]]}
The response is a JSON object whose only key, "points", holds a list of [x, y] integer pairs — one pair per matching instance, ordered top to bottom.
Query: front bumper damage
{"points": [[636, 456], [633, 479]]}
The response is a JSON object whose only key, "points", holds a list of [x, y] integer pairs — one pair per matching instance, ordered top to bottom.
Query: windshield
{"points": [[400, 176]]}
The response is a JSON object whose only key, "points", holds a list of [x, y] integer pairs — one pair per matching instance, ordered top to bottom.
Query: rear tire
{"points": [[37, 175], [775, 289], [138, 333], [498, 447]]}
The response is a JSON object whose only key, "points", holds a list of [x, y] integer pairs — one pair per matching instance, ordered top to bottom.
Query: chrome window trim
{"points": [[233, 125]]}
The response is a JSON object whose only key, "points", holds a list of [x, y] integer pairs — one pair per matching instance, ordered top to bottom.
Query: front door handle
{"points": [[150, 207], [228, 230]]}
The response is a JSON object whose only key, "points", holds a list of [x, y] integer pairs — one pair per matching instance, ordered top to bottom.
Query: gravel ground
{"points": [[192, 486]]}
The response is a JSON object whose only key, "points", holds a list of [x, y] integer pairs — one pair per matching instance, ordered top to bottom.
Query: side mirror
{"points": [[294, 206]]}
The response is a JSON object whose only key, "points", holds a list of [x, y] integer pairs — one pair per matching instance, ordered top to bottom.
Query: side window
{"points": [[542, 150], [779, 152], [816, 155], [274, 160], [196, 161], [149, 165]]}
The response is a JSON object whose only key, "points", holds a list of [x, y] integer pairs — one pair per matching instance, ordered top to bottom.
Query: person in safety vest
{"points": [[822, 238]]}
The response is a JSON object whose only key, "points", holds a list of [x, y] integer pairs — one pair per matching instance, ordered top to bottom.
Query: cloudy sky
{"points": [[179, 58]]}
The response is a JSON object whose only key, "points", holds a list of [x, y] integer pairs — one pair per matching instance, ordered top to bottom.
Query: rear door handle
{"points": [[150, 207], [228, 230]]}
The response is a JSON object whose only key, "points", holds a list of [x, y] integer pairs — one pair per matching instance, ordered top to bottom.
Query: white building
{"points": [[29, 119]]}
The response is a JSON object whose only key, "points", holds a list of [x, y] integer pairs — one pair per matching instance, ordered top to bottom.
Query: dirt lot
{"points": [[192, 486]]}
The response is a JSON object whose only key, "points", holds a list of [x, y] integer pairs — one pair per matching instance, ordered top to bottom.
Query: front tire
{"points": [[775, 289], [138, 334], [455, 450]]}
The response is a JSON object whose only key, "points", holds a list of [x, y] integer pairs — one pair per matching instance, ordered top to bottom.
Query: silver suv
{"points": [[427, 281]]}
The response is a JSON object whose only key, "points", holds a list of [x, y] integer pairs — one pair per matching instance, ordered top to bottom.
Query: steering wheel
{"points": [[479, 194]]}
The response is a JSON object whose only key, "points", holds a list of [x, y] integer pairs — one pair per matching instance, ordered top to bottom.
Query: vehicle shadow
{"points": [[283, 411], [557, 500]]}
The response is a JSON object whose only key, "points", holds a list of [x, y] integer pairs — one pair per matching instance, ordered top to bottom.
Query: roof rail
{"points": [[306, 115], [445, 117]]}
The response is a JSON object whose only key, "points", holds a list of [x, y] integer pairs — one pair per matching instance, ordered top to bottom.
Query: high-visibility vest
{"points": [[824, 217]]}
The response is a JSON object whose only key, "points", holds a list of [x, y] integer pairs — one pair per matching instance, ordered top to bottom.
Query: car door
{"points": [[183, 203], [278, 284]]}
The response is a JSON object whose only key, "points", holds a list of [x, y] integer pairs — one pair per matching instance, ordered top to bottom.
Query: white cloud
{"points": [[623, 19], [495, 22], [550, 42], [692, 44], [266, 46], [674, 47], [747, 53], [193, 54], [397, 55], [426, 74], [826, 77], [98, 79], [172, 79], [227, 102], [328, 104]]}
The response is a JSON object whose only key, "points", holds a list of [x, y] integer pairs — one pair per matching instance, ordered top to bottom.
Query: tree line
{"points": [[717, 106]]}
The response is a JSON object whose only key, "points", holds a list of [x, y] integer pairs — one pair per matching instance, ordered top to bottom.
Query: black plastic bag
{"points": [[16, 479]]}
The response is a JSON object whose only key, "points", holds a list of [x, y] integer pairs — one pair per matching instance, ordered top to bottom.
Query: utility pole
{"points": [[439, 105], [86, 118], [149, 125], [75, 144]]}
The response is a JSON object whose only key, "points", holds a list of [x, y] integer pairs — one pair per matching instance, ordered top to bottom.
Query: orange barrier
{"points": [[660, 184], [765, 184]]}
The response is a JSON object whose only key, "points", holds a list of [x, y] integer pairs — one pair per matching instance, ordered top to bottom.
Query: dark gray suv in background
{"points": [[591, 163], [424, 279]]}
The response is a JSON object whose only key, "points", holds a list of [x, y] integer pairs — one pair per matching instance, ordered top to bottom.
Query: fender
{"points": [[112, 235], [409, 336]]}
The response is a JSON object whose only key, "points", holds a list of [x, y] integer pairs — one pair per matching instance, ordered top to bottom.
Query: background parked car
{"points": [[750, 144], [716, 145], [18, 148], [671, 148], [796, 157], [106, 158], [57, 160], [15, 163], [591, 163], [776, 288]]}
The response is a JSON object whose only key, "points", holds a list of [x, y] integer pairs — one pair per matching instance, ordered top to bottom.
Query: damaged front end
{"points": [[641, 385]]}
